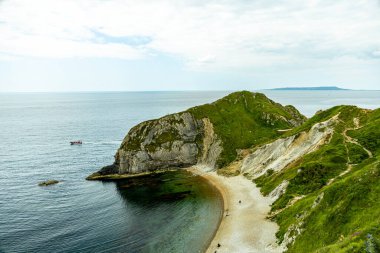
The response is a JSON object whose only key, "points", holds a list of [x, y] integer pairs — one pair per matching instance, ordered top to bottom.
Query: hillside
{"points": [[243, 119], [209, 134], [326, 195]]}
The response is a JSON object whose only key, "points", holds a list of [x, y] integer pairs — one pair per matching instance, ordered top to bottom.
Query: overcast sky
{"points": [[79, 45]]}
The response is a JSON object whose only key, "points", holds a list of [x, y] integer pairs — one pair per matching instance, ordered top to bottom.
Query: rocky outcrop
{"points": [[207, 135], [174, 141], [212, 145], [276, 155], [48, 182], [279, 190]]}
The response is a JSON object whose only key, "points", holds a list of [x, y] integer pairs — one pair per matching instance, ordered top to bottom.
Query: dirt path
{"points": [[353, 141]]}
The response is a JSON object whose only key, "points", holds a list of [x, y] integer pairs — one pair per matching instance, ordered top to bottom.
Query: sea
{"points": [[170, 212]]}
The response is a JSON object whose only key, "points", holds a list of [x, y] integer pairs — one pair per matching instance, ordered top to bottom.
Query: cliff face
{"points": [[208, 135], [177, 140], [278, 154]]}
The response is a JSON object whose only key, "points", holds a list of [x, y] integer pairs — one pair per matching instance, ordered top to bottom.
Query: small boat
{"points": [[75, 142]]}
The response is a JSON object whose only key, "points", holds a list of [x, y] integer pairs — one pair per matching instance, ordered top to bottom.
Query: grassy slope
{"points": [[239, 120], [331, 155], [350, 208], [348, 212]]}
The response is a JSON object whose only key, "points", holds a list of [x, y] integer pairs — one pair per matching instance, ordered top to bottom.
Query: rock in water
{"points": [[48, 182]]}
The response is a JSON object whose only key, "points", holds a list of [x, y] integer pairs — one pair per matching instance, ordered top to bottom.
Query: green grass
{"points": [[346, 113], [245, 119], [241, 120], [369, 135], [134, 143], [356, 153], [348, 212], [347, 219]]}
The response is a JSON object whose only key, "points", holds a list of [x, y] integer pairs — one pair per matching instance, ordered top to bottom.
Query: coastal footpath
{"points": [[289, 183]]}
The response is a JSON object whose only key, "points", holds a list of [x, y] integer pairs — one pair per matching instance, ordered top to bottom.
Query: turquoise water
{"points": [[173, 213]]}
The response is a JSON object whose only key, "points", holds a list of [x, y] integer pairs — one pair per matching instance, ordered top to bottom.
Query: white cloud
{"points": [[206, 34], [376, 53]]}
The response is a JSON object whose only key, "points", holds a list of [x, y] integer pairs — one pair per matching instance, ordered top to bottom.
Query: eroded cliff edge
{"points": [[210, 134]]}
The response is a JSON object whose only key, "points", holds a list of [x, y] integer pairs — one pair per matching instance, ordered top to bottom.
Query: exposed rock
{"points": [[297, 118], [205, 135], [171, 141], [212, 145], [280, 153], [110, 169], [117, 176], [48, 182], [279, 190], [318, 200], [293, 231]]}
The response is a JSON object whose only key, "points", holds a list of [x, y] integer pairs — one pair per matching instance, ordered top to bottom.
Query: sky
{"points": [[120, 45]]}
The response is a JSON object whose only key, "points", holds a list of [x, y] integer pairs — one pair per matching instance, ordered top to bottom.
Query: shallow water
{"points": [[85, 216]]}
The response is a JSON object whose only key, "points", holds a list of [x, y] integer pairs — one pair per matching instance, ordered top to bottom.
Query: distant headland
{"points": [[310, 88]]}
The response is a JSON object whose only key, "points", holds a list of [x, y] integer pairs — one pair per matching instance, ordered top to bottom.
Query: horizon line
{"points": [[232, 90]]}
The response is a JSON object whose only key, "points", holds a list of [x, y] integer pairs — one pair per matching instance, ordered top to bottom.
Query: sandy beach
{"points": [[244, 227]]}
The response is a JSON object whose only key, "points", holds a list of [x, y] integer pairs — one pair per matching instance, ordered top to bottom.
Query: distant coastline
{"points": [[310, 88]]}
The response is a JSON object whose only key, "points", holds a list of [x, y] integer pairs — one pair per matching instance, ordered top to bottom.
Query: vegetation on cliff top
{"points": [[243, 119], [240, 120], [331, 203]]}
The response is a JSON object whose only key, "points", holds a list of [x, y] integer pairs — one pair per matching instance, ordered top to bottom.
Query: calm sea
{"points": [[174, 212]]}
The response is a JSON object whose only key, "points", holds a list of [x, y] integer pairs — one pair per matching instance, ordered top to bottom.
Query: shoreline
{"points": [[223, 201], [244, 226]]}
